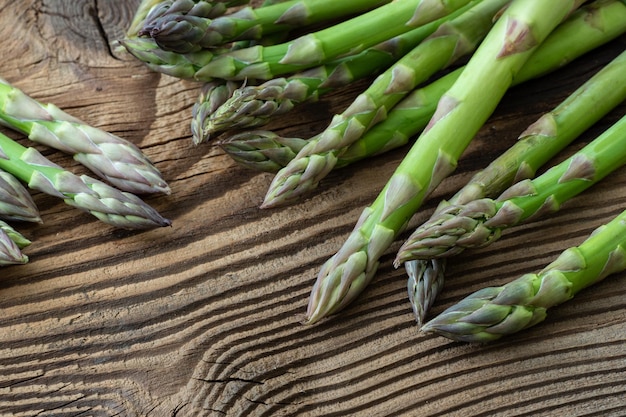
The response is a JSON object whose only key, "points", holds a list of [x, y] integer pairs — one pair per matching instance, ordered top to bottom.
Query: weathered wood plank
{"points": [[204, 318]]}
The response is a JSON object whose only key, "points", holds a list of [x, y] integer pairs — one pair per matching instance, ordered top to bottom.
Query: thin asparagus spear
{"points": [[181, 25], [589, 27], [182, 30], [452, 40], [315, 48], [213, 95], [253, 106], [462, 110], [261, 150], [115, 159], [16, 202], [114, 207], [480, 222], [10, 252], [494, 312]]}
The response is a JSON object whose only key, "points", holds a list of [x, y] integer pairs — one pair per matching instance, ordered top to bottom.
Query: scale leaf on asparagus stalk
{"points": [[452, 40], [313, 49], [462, 110], [112, 158], [16, 203], [110, 205], [480, 222], [494, 312]]}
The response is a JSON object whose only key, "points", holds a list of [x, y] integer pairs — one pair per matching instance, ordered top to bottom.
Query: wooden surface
{"points": [[204, 318]]}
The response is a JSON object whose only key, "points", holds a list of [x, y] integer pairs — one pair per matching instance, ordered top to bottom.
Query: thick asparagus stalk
{"points": [[181, 25], [185, 31], [453, 39], [313, 49], [253, 106], [460, 114], [542, 141], [115, 159], [16, 202], [114, 207], [480, 222], [10, 252], [494, 312]]}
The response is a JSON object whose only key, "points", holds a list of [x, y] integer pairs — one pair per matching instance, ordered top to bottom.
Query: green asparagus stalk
{"points": [[181, 25], [589, 27], [184, 31], [452, 40], [313, 49], [213, 95], [253, 106], [461, 112], [540, 142], [261, 150], [115, 159], [16, 203], [114, 207], [480, 222], [10, 252], [494, 312]]}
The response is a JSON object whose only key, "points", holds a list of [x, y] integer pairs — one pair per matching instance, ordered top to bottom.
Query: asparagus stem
{"points": [[184, 34], [455, 38], [313, 49], [253, 106], [462, 110], [115, 159], [16, 202], [114, 207], [480, 222], [10, 252], [494, 312]]}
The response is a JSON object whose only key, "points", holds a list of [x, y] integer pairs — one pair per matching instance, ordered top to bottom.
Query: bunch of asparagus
{"points": [[438, 70], [125, 171]]}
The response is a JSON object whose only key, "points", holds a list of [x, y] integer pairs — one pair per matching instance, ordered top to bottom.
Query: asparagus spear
{"points": [[139, 18], [181, 25], [586, 29], [182, 30], [347, 37], [452, 40], [213, 95], [253, 106], [462, 110], [261, 150], [115, 159], [16, 202], [114, 207], [480, 222], [10, 253], [494, 312]]}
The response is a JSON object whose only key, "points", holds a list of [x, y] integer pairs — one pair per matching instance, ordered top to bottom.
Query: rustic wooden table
{"points": [[204, 318]]}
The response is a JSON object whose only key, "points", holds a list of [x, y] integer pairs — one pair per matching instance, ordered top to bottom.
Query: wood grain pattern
{"points": [[204, 318]]}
